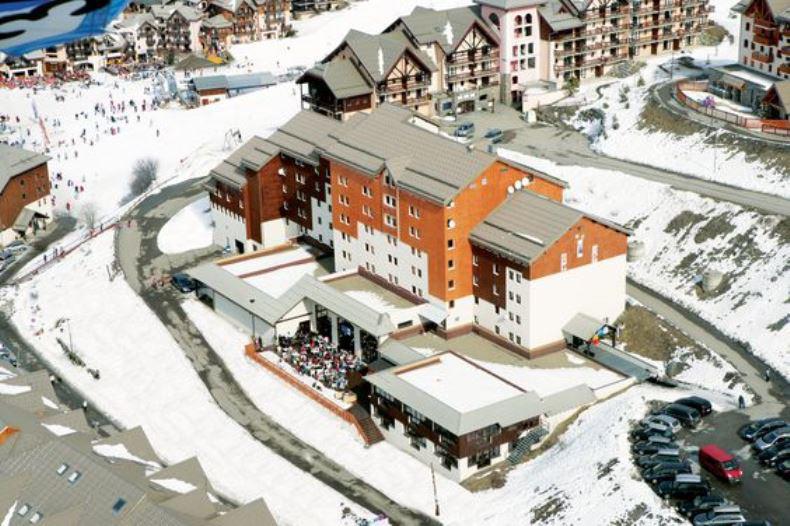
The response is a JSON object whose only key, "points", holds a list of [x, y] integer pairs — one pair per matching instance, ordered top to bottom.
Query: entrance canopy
{"points": [[583, 327]]}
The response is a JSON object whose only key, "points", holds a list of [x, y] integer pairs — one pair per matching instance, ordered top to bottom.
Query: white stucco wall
{"points": [[228, 228]]}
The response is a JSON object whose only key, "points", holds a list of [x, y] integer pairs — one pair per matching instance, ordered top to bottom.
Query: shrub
{"points": [[640, 81], [144, 174]]}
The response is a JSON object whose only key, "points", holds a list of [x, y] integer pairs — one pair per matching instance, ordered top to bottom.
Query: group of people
{"points": [[43, 81], [313, 355]]}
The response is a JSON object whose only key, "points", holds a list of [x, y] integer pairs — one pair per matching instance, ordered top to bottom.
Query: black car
{"points": [[183, 282], [697, 402], [688, 416], [754, 430], [645, 432], [648, 447], [774, 455], [660, 457], [783, 469], [666, 471], [684, 487], [698, 505]]}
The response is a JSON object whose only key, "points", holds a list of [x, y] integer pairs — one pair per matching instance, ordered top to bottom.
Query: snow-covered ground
{"points": [[689, 154], [189, 229], [686, 235], [146, 380], [591, 485]]}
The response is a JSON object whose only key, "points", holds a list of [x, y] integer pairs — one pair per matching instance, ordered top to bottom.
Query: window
{"points": [[531, 62], [300, 178], [342, 180], [285, 189], [366, 191], [343, 200], [390, 201], [414, 212], [390, 220], [580, 247], [595, 253], [475, 261], [563, 262], [450, 264], [495, 269], [518, 277], [475, 282], [451, 284], [495, 290], [510, 295], [518, 299], [452, 304], [518, 319], [496, 329], [62, 469], [74, 477], [118, 506]]}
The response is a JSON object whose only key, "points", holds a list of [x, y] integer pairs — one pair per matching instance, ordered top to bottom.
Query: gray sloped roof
{"points": [[509, 4], [780, 9], [557, 20], [217, 22], [429, 25], [379, 53], [192, 62], [341, 76], [251, 80], [210, 82], [16, 161], [437, 167], [527, 224], [271, 310], [583, 326], [399, 353], [33, 400], [505, 412], [72, 419], [189, 471], [255, 513]]}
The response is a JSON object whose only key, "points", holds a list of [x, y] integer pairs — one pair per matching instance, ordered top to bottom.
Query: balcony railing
{"points": [[761, 22], [769, 38], [762, 57], [460, 59], [589, 63], [478, 73], [399, 87]]}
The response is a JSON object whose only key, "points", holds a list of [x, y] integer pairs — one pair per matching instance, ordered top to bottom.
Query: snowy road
{"points": [[569, 147], [140, 257]]}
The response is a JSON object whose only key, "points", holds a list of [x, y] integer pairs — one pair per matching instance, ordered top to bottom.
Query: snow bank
{"points": [[191, 228], [686, 235], [147, 381], [7, 389], [58, 430], [119, 451], [176, 485]]}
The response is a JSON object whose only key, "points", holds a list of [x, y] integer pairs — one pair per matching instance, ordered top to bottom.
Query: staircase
{"points": [[365, 425], [524, 444]]}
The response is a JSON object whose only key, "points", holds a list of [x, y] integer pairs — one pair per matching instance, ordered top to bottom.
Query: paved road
{"points": [[566, 146], [140, 259], [28, 359], [773, 396], [762, 493]]}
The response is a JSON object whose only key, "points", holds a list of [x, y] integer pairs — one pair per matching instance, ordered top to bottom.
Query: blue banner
{"points": [[28, 25]]}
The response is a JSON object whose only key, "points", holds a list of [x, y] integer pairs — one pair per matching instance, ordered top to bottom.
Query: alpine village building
{"points": [[462, 59], [24, 192], [483, 241]]}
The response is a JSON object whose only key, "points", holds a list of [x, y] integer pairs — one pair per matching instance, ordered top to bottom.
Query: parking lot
{"points": [[762, 494]]}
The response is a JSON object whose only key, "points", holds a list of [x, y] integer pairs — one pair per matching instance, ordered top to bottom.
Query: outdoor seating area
{"points": [[316, 357]]}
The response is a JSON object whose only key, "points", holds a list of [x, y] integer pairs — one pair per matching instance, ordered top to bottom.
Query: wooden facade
{"points": [[22, 190]]}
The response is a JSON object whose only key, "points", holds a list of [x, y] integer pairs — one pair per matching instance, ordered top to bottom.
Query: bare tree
{"points": [[144, 174], [89, 213]]}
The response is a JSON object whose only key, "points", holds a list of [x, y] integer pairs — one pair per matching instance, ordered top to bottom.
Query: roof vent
{"points": [[529, 238]]}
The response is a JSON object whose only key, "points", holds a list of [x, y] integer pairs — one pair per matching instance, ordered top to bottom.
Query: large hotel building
{"points": [[486, 240]]}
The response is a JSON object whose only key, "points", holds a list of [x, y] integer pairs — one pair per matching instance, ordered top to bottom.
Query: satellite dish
{"points": [[524, 181], [518, 185], [510, 189]]}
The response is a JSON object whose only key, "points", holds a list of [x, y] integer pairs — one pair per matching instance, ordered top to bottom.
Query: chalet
{"points": [[314, 6], [253, 19], [764, 43], [465, 51], [393, 69], [777, 101], [24, 192]]}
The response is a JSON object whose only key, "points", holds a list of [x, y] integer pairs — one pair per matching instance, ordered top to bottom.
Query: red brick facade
{"points": [[22, 190]]}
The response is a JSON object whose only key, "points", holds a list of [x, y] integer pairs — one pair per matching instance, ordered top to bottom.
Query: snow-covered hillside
{"points": [[708, 154], [686, 235]]}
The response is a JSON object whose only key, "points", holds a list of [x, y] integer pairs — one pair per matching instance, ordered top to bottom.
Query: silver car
{"points": [[669, 421], [766, 441], [713, 518]]}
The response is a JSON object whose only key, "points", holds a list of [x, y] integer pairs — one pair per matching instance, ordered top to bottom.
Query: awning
{"points": [[733, 82], [23, 220], [432, 313], [583, 326]]}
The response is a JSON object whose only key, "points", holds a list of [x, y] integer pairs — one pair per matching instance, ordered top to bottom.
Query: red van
{"points": [[720, 463]]}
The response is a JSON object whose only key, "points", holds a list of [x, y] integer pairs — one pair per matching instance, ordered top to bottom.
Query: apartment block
{"points": [[765, 36]]}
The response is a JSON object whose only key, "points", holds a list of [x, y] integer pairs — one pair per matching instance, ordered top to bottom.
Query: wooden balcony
{"points": [[768, 24], [768, 38], [765, 58], [460, 59], [590, 63], [784, 68], [475, 74], [400, 87]]}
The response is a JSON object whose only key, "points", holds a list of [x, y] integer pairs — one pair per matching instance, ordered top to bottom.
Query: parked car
{"points": [[465, 129], [495, 135], [17, 247], [6, 258], [183, 282], [7, 355], [697, 402], [688, 416], [669, 421], [754, 430], [645, 431], [775, 437], [648, 447], [664, 455], [774, 455], [721, 464], [783, 469], [666, 471], [684, 487], [698, 505], [719, 517], [755, 523]]}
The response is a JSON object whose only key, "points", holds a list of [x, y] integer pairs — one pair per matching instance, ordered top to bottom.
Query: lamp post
{"points": [[252, 315]]}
